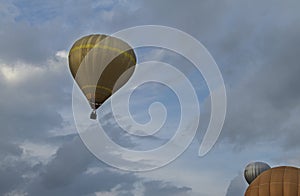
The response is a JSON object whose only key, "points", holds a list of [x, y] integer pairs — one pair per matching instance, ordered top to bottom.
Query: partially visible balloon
{"points": [[100, 64], [253, 170], [278, 181]]}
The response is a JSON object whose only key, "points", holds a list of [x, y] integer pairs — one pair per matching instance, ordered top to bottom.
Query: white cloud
{"points": [[62, 54], [19, 72], [38, 153], [16, 193]]}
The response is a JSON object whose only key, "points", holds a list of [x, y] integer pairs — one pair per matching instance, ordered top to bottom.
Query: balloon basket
{"points": [[93, 115]]}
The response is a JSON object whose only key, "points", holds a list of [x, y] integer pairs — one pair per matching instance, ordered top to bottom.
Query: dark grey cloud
{"points": [[31, 102], [261, 105], [7, 148], [70, 160], [15, 171], [11, 174], [68, 174], [237, 186], [159, 188]]}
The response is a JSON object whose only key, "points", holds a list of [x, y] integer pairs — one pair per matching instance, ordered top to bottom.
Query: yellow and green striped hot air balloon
{"points": [[100, 64]]}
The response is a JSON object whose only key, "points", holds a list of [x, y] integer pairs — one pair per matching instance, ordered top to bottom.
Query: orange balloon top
{"points": [[278, 181]]}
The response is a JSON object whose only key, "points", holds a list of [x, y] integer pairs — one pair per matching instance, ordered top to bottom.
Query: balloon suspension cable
{"points": [[93, 115]]}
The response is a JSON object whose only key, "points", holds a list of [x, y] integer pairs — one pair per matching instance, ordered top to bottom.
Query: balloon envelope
{"points": [[101, 64], [253, 170], [278, 181]]}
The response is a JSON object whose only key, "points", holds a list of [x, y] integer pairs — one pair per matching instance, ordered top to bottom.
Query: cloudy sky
{"points": [[255, 44]]}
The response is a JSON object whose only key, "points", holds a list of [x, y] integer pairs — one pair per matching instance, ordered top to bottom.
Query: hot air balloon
{"points": [[100, 64], [252, 170], [278, 181]]}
